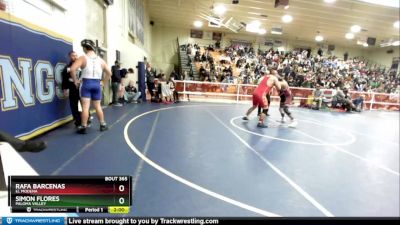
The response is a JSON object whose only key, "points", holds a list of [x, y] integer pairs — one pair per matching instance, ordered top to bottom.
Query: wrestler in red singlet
{"points": [[260, 92], [259, 98]]}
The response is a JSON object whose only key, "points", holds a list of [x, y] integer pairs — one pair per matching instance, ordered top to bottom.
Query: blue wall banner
{"points": [[31, 61]]}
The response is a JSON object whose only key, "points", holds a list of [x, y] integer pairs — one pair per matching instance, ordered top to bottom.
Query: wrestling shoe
{"points": [[245, 118], [293, 124], [103, 127], [81, 130]]}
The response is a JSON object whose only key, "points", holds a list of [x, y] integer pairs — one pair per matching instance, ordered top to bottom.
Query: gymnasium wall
{"points": [[50, 30], [164, 46], [381, 57]]}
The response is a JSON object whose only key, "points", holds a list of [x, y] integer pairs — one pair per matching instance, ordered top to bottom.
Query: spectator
{"points": [[218, 44], [183, 47], [189, 49], [320, 52], [197, 56], [203, 57], [189, 61], [203, 72], [175, 75], [150, 80], [115, 82], [172, 86], [360, 86], [121, 89], [166, 90], [156, 91], [131, 93], [318, 97], [338, 98], [343, 99], [359, 103], [20, 145]]}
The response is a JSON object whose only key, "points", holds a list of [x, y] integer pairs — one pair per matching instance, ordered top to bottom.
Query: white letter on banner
{"points": [[58, 77], [12, 82], [42, 95]]}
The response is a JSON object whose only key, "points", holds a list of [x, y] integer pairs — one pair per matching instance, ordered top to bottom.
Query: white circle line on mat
{"points": [[351, 141], [183, 180]]}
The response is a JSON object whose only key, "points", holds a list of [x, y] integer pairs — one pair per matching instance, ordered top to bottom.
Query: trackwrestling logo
{"points": [[33, 220]]}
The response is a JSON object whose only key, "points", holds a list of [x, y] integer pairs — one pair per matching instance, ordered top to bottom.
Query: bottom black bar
{"points": [[214, 221]]}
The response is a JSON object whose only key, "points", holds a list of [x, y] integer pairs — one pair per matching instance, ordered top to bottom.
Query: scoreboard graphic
{"points": [[69, 194]]}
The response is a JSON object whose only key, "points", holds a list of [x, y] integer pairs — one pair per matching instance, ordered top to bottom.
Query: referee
{"points": [[70, 90]]}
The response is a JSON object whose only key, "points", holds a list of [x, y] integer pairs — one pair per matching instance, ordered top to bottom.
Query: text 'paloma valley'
{"points": [[35, 200]]}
